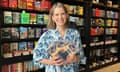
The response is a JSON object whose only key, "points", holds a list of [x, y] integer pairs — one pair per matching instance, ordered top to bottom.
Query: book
{"points": [[4, 3], [13, 3], [22, 4], [29, 4], [37, 5], [45, 5], [80, 10], [46, 16], [7, 17], [16, 17], [25, 18], [33, 18], [40, 19], [80, 22], [23, 32], [31, 32], [38, 32], [5, 33], [14, 33], [22, 46], [30, 46], [13, 47], [62, 48], [5, 50], [5, 68]]}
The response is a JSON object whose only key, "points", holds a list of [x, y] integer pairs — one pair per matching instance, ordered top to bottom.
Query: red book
{"points": [[4, 3], [13, 3], [45, 5], [97, 12], [93, 31], [14, 67], [5, 68]]}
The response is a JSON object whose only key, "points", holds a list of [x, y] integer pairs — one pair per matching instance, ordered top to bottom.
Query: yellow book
{"points": [[80, 10]]}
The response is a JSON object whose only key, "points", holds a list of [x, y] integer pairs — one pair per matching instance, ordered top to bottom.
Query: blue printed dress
{"points": [[40, 51]]}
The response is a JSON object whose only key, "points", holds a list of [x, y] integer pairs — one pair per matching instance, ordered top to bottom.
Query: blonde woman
{"points": [[58, 30]]}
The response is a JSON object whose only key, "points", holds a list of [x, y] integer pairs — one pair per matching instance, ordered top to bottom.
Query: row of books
{"points": [[41, 5], [74, 9], [98, 12], [101, 13], [112, 14], [24, 18], [77, 20], [97, 22], [101, 22], [111, 22], [96, 31], [100, 31], [111, 31], [14, 33], [99, 43], [17, 48], [103, 52], [101, 62], [26, 66]]}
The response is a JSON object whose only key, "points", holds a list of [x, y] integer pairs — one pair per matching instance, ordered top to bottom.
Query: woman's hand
{"points": [[71, 59], [56, 60]]}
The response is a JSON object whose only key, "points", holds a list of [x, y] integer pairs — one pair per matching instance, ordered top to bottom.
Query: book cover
{"points": [[4, 3], [13, 3], [22, 4], [29, 5], [37, 5], [45, 5], [80, 10], [97, 12], [7, 17], [16, 17], [25, 18], [33, 18], [46, 18], [40, 19], [80, 22], [23, 32], [31, 32], [38, 32], [5, 33], [14, 33], [22, 46], [30, 46], [13, 47], [62, 48], [5, 50], [14, 67], [20, 67], [5, 68]]}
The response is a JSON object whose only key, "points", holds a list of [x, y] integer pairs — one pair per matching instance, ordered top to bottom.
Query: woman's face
{"points": [[59, 16]]}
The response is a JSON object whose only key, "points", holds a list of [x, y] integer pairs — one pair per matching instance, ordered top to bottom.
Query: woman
{"points": [[58, 30]]}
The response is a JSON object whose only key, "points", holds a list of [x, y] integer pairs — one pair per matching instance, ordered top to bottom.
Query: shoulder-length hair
{"points": [[51, 24]]}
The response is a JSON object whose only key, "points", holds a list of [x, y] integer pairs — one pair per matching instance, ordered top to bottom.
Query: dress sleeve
{"points": [[79, 45], [39, 52]]}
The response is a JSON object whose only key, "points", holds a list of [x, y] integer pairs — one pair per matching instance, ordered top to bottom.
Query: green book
{"points": [[25, 18]]}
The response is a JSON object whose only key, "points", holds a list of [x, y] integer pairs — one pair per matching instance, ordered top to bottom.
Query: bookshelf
{"points": [[97, 21], [20, 28], [104, 45]]}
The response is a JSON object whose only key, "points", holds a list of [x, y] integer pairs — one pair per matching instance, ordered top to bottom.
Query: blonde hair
{"points": [[51, 24]]}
